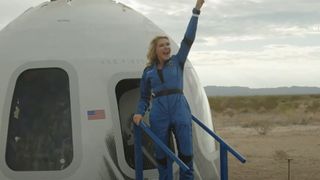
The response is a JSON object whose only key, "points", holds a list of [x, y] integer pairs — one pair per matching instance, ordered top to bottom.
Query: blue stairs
{"points": [[224, 149]]}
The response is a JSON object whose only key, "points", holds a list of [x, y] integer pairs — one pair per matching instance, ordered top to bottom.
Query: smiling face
{"points": [[163, 49]]}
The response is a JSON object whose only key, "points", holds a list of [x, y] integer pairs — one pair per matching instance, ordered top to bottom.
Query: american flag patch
{"points": [[96, 114]]}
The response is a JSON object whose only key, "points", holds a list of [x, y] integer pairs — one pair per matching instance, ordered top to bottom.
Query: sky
{"points": [[251, 43]]}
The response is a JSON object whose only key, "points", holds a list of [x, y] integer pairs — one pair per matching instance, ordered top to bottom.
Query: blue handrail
{"points": [[224, 148], [138, 150]]}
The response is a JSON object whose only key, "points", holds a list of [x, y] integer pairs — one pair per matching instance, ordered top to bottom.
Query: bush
{"points": [[313, 107], [262, 127], [280, 155]]}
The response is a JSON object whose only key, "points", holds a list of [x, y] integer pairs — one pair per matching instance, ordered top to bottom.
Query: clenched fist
{"points": [[199, 4], [137, 118]]}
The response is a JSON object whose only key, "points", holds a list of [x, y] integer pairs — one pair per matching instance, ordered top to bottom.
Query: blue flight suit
{"points": [[170, 111]]}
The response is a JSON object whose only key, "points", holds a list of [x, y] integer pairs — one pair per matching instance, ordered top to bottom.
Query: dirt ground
{"points": [[267, 139], [267, 154]]}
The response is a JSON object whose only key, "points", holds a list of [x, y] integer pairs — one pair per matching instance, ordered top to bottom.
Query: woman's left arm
{"points": [[190, 34]]}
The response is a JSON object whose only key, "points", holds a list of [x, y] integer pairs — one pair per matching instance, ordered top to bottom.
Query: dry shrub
{"points": [[313, 107], [262, 109], [244, 110], [254, 111], [229, 112], [297, 117], [302, 121], [262, 127], [280, 155]]}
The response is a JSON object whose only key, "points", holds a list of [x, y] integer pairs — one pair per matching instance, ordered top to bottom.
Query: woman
{"points": [[163, 80]]}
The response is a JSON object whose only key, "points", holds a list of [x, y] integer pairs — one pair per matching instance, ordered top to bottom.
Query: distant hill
{"points": [[245, 91]]}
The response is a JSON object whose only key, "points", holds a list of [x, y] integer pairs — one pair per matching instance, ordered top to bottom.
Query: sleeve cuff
{"points": [[195, 11], [141, 113]]}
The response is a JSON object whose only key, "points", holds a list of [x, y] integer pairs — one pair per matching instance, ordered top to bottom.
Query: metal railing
{"points": [[224, 148], [138, 149]]}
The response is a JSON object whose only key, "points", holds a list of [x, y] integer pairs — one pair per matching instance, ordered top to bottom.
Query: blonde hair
{"points": [[151, 55]]}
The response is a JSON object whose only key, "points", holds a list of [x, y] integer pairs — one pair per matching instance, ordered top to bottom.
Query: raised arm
{"points": [[190, 34]]}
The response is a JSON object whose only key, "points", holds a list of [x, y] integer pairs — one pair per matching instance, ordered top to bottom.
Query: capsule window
{"points": [[40, 133]]}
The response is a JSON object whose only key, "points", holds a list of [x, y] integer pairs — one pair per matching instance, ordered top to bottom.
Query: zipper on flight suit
{"points": [[160, 74]]}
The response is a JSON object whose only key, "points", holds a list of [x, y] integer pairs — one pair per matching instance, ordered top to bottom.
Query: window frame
{"points": [[75, 121]]}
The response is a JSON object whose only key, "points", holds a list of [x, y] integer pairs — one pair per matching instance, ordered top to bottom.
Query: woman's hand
{"points": [[199, 4], [137, 118]]}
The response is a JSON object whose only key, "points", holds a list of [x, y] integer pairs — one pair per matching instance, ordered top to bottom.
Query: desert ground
{"points": [[269, 130]]}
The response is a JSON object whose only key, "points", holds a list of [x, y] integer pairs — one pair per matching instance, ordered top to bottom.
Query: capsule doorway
{"points": [[128, 94]]}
